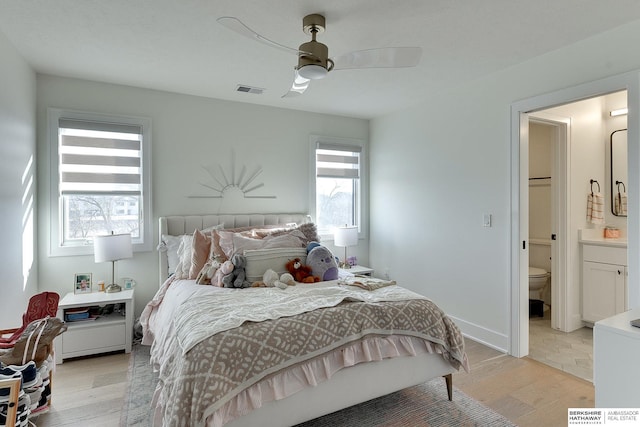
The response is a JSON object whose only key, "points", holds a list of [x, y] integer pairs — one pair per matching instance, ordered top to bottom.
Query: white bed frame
{"points": [[348, 386]]}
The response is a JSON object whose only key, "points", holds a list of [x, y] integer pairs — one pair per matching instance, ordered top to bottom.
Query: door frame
{"points": [[519, 322]]}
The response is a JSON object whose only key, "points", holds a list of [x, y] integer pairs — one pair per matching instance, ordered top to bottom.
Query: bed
{"points": [[300, 352]]}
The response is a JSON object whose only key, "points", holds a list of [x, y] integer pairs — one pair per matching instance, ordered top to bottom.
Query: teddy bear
{"points": [[300, 272], [236, 278]]}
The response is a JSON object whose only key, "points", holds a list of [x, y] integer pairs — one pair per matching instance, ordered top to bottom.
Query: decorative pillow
{"points": [[309, 232], [261, 233], [224, 237], [231, 243], [171, 244], [200, 248], [184, 255], [180, 259], [261, 260], [323, 263]]}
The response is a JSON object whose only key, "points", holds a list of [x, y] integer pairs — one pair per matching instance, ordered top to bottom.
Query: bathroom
{"points": [[562, 337]]}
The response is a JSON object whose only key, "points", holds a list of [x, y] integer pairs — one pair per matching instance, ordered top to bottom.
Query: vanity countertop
{"points": [[595, 237]]}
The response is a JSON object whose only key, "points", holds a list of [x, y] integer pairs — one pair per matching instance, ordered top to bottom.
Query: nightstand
{"points": [[360, 270], [110, 332]]}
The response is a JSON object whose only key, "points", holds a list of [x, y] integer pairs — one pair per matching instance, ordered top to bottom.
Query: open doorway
{"points": [[565, 300]]}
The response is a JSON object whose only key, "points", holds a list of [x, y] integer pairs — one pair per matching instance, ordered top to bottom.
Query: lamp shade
{"points": [[346, 236], [112, 247]]}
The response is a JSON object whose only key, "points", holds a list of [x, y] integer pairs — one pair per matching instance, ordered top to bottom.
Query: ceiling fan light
{"points": [[312, 71]]}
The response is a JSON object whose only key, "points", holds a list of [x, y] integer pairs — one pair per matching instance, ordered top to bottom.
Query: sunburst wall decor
{"points": [[221, 182]]}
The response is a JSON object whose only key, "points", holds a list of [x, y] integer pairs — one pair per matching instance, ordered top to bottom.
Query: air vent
{"points": [[249, 89]]}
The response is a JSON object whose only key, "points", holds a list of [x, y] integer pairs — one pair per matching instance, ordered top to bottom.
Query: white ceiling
{"points": [[177, 46]]}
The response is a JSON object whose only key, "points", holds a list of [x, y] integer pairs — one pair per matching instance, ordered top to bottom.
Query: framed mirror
{"points": [[618, 153]]}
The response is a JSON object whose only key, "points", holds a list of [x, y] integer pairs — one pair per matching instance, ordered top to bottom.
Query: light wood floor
{"points": [[91, 391]]}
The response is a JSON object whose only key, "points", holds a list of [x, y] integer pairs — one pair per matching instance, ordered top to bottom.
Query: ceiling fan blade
{"points": [[239, 27], [386, 57], [300, 84]]}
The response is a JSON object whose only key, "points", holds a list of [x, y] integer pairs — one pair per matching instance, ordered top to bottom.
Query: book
{"points": [[72, 317]]}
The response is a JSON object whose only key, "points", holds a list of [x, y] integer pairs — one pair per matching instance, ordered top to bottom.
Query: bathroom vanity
{"points": [[604, 275]]}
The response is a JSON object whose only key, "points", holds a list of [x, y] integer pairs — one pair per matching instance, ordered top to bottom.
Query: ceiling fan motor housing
{"points": [[314, 54]]}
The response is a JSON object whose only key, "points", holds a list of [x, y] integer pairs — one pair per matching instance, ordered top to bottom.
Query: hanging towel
{"points": [[620, 204], [595, 208]]}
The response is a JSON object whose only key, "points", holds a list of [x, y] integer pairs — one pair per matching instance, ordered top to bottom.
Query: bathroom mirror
{"points": [[618, 153]]}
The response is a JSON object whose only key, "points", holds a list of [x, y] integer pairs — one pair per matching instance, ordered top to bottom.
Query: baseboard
{"points": [[483, 335]]}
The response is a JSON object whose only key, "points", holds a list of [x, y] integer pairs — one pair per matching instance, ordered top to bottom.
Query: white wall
{"points": [[190, 132], [438, 167], [17, 185]]}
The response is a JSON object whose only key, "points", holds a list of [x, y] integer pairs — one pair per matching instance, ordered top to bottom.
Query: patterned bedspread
{"points": [[196, 383]]}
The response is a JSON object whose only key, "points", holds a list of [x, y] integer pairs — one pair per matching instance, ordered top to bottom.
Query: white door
{"points": [[561, 198]]}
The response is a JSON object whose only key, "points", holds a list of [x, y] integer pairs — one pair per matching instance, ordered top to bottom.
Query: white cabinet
{"points": [[604, 282], [107, 333], [616, 345]]}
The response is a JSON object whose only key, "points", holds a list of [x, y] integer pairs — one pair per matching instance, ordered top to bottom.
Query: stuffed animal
{"points": [[323, 263], [225, 269], [300, 272], [206, 275], [236, 279], [270, 279]]}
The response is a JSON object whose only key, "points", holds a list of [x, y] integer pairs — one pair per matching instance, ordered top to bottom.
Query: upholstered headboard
{"points": [[177, 225]]}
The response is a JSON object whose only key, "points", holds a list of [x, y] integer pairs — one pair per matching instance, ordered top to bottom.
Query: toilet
{"points": [[538, 279]]}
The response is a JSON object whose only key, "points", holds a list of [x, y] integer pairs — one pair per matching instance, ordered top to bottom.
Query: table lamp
{"points": [[345, 236], [111, 248]]}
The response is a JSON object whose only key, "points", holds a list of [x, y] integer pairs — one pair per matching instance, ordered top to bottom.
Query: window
{"points": [[100, 180], [338, 183]]}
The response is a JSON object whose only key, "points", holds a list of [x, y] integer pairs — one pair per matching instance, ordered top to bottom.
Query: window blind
{"points": [[98, 158], [337, 161]]}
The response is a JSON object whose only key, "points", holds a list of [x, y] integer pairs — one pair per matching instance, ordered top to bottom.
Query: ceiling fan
{"points": [[313, 57]]}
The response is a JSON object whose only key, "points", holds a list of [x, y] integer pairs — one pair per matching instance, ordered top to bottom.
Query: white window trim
{"points": [[364, 180], [55, 218]]}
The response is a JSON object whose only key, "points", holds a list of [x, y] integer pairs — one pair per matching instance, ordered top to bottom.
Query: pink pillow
{"points": [[201, 246]]}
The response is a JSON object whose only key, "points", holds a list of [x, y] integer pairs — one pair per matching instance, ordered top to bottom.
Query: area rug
{"points": [[423, 405]]}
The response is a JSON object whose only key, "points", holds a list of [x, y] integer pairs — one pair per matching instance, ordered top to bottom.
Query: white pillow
{"points": [[172, 243], [184, 255], [261, 260]]}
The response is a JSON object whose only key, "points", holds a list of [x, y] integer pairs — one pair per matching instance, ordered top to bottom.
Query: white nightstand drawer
{"points": [[96, 338]]}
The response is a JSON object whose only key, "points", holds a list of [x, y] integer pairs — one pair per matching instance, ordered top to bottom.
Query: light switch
{"points": [[486, 220]]}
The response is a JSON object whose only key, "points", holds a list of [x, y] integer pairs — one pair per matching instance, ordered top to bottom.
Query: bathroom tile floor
{"points": [[571, 352]]}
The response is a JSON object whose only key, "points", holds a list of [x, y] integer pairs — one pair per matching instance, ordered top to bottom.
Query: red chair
{"points": [[40, 306]]}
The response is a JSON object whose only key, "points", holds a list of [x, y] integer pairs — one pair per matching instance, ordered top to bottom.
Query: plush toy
{"points": [[323, 263], [225, 269], [300, 272], [206, 275], [236, 279], [270, 279], [287, 279]]}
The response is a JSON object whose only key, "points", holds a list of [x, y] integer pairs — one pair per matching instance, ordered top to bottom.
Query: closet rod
{"points": [[540, 177]]}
